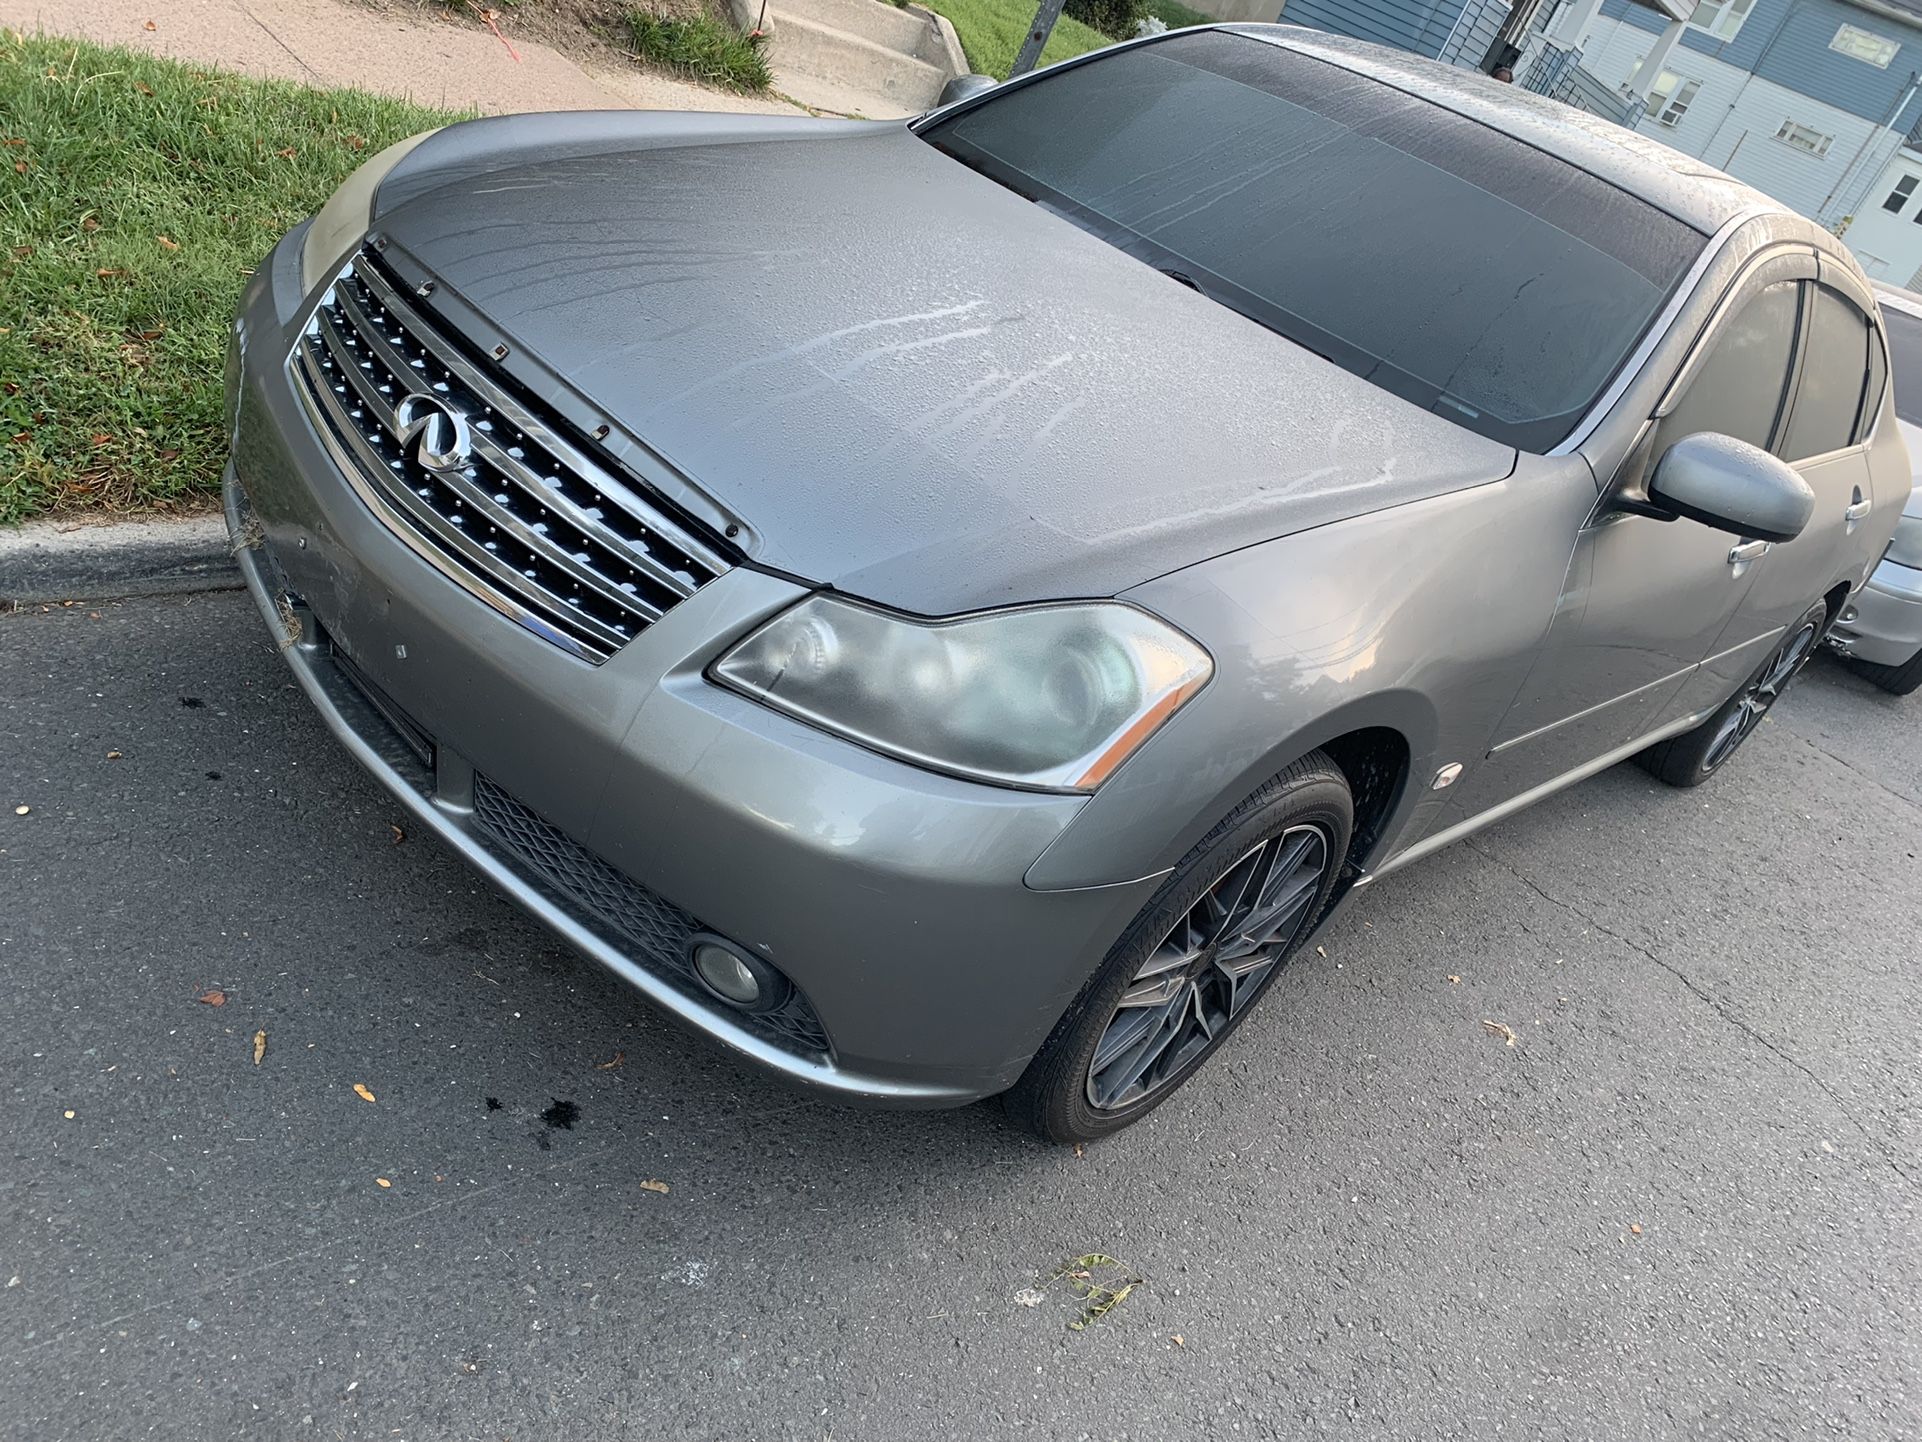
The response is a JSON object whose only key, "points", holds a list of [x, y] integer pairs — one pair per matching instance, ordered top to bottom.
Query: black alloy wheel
{"points": [[1209, 967]]}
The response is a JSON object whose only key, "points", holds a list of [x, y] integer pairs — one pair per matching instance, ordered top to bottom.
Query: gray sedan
{"points": [[947, 608]]}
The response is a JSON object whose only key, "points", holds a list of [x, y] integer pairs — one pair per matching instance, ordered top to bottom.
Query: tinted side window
{"points": [[1833, 372], [1739, 388], [1872, 396]]}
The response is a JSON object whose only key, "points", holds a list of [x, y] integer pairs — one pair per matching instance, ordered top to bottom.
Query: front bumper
{"points": [[1882, 622], [893, 898]]}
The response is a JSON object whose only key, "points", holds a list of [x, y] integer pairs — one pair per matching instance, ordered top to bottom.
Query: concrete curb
{"points": [[89, 560]]}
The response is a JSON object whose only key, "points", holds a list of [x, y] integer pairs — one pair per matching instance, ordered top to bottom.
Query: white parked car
{"points": [[1880, 630]]}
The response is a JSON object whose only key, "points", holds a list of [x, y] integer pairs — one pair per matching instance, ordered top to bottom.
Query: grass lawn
{"points": [[1174, 14], [991, 33], [135, 196]]}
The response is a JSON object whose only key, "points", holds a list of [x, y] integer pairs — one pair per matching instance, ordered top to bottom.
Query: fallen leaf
{"points": [[150, 26], [143, 87], [14, 140], [354, 142], [288, 154], [21, 166], [89, 224], [166, 243], [103, 274], [113, 755], [399, 835], [1321, 951], [1454, 981], [215, 997], [1496, 1028], [260, 1046], [619, 1057], [360, 1090], [382, 1182], [650, 1185], [1636, 1228], [1179, 1340]]}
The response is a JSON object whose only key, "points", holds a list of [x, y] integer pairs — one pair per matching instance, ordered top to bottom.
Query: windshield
{"points": [[1444, 261], [1905, 362]]}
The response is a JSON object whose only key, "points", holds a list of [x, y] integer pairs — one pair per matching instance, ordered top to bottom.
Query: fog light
{"points": [[726, 974], [736, 978]]}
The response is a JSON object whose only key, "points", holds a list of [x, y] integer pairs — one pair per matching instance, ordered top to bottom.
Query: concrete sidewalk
{"points": [[401, 53]]}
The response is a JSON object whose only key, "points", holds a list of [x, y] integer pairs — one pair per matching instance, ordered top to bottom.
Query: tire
{"points": [[1897, 680], [1694, 756], [1190, 994]]}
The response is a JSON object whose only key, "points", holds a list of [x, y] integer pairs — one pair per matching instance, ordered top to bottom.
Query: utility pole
{"points": [[1038, 33]]}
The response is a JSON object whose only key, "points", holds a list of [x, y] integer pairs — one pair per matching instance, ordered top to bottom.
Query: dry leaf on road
{"points": [[399, 835], [215, 997], [1496, 1028], [260, 1046], [619, 1057], [360, 1090], [382, 1182], [650, 1185]]}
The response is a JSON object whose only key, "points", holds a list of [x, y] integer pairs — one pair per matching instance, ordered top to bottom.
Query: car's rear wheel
{"points": [[1898, 680], [1694, 756], [1194, 962]]}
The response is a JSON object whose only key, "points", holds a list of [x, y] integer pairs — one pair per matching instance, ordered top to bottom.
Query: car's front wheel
{"points": [[1695, 755], [1194, 962]]}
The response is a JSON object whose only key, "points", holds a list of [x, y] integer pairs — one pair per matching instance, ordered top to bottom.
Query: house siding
{"points": [[1417, 25], [1787, 42], [1732, 121]]}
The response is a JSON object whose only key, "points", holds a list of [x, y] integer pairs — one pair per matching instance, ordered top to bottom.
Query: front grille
{"points": [[522, 515], [637, 919]]}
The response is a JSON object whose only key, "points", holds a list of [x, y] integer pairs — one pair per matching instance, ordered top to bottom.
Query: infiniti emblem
{"points": [[434, 431]]}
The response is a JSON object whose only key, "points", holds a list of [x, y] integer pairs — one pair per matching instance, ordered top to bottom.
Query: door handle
{"points": [[1858, 510], [1748, 551]]}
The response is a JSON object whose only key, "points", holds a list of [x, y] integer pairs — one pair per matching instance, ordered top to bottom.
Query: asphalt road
{"points": [[1683, 1204]]}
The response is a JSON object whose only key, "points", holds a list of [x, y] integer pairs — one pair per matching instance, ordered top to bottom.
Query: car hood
{"points": [[911, 384]]}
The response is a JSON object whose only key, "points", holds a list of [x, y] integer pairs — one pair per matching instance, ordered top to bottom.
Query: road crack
{"points": [[1853, 770], [1881, 1149]]}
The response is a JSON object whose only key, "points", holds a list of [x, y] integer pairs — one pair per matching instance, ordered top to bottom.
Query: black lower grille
{"points": [[650, 928]]}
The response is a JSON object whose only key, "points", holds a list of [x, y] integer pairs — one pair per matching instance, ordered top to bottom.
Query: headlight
{"points": [[344, 219], [1906, 548], [1052, 697]]}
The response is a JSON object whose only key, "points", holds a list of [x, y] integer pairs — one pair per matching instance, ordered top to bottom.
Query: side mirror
{"points": [[963, 86], [1732, 486]]}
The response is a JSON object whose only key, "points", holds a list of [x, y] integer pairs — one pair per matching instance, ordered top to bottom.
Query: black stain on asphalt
{"points": [[192, 703], [213, 775], [493, 1104], [561, 1114]]}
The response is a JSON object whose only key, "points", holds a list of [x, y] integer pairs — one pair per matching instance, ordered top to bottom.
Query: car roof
{"points": [[1691, 190]]}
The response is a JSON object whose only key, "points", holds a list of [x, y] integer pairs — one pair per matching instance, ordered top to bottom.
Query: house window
{"points": [[1720, 18], [1877, 50], [1670, 97], [1804, 137], [1899, 197]]}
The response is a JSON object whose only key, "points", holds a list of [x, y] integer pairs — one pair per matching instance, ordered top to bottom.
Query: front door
{"points": [[1825, 439], [1648, 603]]}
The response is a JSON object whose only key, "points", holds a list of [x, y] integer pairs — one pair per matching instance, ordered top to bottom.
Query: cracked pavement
{"points": [[1683, 1204]]}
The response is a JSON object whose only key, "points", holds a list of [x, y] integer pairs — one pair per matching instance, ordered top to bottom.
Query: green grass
{"points": [[1174, 14], [991, 33], [700, 46], [135, 196]]}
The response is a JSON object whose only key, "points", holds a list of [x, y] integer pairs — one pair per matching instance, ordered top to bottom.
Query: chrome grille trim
{"points": [[533, 525]]}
